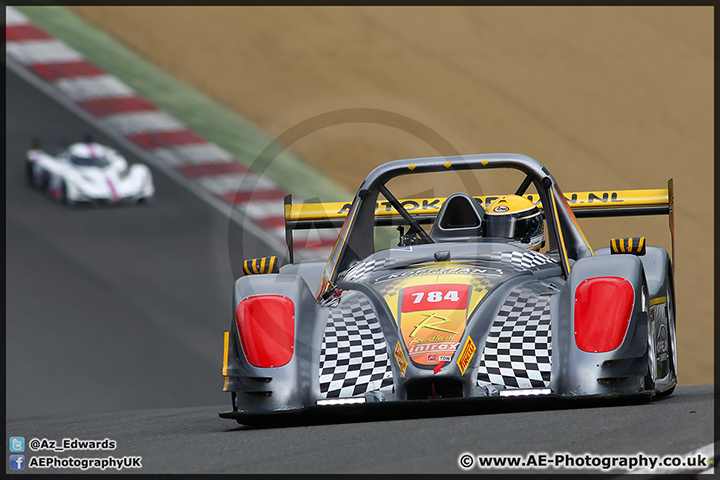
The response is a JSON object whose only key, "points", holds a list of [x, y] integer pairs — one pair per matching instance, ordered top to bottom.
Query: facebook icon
{"points": [[17, 462]]}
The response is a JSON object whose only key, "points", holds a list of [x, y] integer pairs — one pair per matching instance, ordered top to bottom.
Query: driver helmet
{"points": [[517, 218]]}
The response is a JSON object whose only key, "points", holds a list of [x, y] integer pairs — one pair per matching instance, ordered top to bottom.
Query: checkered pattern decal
{"points": [[522, 259], [363, 269], [480, 283], [390, 287], [518, 350], [354, 357]]}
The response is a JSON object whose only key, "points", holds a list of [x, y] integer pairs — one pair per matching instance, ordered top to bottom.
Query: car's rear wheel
{"points": [[672, 349], [651, 355], [651, 374]]}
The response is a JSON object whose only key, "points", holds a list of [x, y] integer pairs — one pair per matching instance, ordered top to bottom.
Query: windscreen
{"points": [[89, 161], [422, 196]]}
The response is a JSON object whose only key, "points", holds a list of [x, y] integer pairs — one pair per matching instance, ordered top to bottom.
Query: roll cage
{"points": [[355, 241]]}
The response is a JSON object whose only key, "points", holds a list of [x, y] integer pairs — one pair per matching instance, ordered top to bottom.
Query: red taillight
{"points": [[603, 307], [267, 329]]}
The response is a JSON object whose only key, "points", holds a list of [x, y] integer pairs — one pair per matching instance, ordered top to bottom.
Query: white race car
{"points": [[89, 172]]}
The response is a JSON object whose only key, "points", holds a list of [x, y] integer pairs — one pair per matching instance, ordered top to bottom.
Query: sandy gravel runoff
{"points": [[605, 97]]}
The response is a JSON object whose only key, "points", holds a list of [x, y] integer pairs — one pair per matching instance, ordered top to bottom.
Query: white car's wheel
{"points": [[29, 174], [36, 178], [64, 197]]}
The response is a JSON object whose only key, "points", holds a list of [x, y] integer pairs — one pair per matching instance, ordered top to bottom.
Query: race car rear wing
{"points": [[616, 203]]}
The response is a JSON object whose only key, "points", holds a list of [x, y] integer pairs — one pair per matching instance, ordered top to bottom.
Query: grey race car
{"points": [[482, 298]]}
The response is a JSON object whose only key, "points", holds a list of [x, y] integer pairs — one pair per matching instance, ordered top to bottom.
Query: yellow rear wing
{"points": [[611, 203], [583, 204]]}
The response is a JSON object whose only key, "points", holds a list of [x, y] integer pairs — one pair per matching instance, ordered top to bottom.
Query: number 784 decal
{"points": [[432, 320]]}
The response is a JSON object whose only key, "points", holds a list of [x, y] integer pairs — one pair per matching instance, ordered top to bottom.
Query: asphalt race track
{"points": [[114, 330]]}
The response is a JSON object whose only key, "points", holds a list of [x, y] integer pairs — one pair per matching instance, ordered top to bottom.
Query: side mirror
{"points": [[632, 245]]}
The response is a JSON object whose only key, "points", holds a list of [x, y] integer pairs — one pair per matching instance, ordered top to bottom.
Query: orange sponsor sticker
{"points": [[433, 320], [432, 332], [466, 355], [400, 357]]}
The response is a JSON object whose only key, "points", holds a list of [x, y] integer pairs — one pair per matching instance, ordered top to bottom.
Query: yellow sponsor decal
{"points": [[566, 202], [431, 206], [560, 234], [482, 279], [658, 301], [432, 316], [433, 322], [432, 337], [226, 347], [466, 355], [400, 357]]}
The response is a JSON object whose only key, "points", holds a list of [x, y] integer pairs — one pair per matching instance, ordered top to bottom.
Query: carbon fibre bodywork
{"points": [[462, 317]]}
